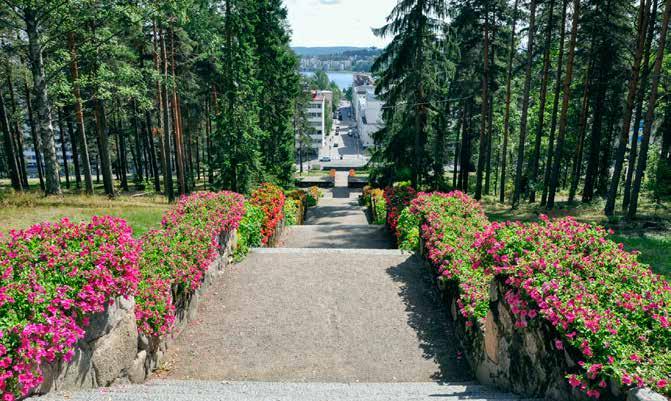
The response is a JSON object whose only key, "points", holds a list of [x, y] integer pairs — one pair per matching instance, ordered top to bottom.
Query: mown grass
{"points": [[22, 210], [649, 233]]}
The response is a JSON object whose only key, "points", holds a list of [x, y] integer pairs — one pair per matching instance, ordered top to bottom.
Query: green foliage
{"points": [[291, 212], [408, 230], [249, 231]]}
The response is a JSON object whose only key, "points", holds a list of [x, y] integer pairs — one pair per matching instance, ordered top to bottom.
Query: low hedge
{"points": [[270, 199], [249, 231], [175, 258], [52, 277], [605, 306]]}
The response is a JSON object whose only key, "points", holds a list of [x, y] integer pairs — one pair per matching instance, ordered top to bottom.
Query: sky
{"points": [[338, 22]]}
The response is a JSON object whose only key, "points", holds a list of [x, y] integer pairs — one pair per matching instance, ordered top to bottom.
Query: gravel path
{"points": [[321, 317]]}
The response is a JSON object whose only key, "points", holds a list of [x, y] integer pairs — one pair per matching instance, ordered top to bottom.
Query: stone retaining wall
{"points": [[113, 351], [521, 360]]}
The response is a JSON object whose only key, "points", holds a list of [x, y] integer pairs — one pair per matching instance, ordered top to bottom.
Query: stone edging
{"points": [[113, 351], [523, 361]]}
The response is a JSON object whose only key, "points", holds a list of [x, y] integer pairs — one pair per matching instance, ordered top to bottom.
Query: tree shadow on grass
{"points": [[429, 316]]}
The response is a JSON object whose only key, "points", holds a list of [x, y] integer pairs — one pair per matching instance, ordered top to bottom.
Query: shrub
{"points": [[314, 193], [300, 197], [397, 198], [270, 199], [378, 206], [292, 209], [449, 223], [407, 230], [249, 231], [175, 258], [52, 277], [612, 310]]}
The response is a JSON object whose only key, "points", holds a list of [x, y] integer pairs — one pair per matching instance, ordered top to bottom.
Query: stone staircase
{"points": [[331, 314]]}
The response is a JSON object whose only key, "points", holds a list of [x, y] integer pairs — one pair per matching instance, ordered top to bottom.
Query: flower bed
{"points": [[314, 194], [397, 198], [270, 199], [300, 199], [377, 205], [448, 224], [249, 231], [175, 258], [53, 276], [538, 301], [610, 310]]}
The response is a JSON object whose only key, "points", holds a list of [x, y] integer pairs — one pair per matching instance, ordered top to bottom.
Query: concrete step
{"points": [[336, 236], [182, 390]]}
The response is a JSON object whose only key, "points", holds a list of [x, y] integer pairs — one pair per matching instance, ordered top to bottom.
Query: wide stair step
{"points": [[336, 236], [171, 390]]}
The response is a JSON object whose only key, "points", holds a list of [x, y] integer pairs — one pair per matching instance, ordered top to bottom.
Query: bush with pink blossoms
{"points": [[396, 199], [448, 224], [174, 259], [52, 276], [610, 311]]}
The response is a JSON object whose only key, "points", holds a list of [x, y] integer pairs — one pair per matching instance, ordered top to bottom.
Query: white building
{"points": [[319, 109], [367, 109]]}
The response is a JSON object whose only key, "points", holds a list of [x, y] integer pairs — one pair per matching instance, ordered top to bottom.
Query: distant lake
{"points": [[342, 79]]}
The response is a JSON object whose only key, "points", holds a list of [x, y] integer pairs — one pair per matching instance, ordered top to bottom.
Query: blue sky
{"points": [[337, 22]]}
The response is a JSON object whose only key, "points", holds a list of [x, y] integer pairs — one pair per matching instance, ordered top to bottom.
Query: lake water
{"points": [[342, 79]]}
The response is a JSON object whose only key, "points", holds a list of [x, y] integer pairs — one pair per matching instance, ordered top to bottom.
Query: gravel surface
{"points": [[364, 236], [320, 316], [165, 390]]}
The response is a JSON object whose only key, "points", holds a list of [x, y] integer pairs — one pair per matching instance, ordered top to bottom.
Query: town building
{"points": [[367, 108], [319, 109]]}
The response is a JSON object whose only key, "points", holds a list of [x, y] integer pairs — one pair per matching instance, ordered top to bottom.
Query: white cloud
{"points": [[338, 22]]}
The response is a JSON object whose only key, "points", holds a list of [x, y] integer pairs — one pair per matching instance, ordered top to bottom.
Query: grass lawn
{"points": [[21, 210], [650, 233]]}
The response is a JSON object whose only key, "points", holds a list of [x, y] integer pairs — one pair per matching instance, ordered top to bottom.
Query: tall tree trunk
{"points": [[645, 74], [525, 105], [555, 106], [628, 108], [79, 114], [506, 117], [177, 121], [44, 122], [647, 125], [167, 126], [582, 127], [17, 130], [33, 134], [138, 145], [103, 146], [75, 148], [10, 150], [457, 150], [64, 153], [152, 153], [482, 153], [122, 154], [535, 156], [554, 177]]}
